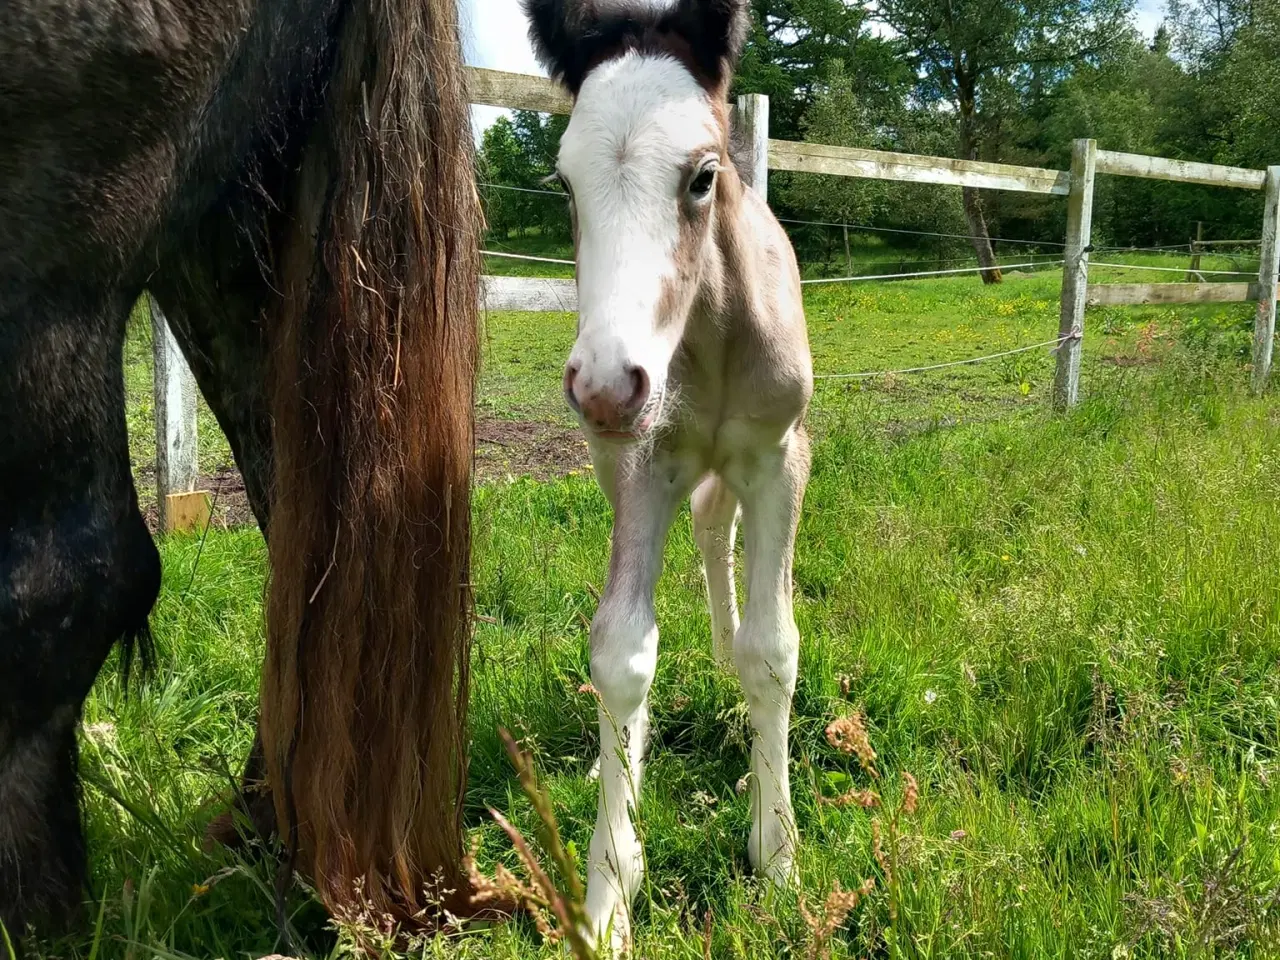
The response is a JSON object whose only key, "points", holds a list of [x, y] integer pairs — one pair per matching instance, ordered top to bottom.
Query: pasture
{"points": [[1067, 628]]}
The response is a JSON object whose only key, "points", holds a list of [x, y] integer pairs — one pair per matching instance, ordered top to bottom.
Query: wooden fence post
{"points": [[753, 121], [1075, 272], [1193, 272], [1264, 324], [177, 466]]}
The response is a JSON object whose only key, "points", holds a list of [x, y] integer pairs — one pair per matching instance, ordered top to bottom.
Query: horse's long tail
{"points": [[374, 358]]}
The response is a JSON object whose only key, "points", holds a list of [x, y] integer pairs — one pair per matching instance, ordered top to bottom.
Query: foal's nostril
{"points": [[570, 374], [639, 389]]}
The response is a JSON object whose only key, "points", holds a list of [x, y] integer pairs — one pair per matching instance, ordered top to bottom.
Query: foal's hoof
{"points": [[249, 815], [773, 856], [781, 871], [612, 939]]}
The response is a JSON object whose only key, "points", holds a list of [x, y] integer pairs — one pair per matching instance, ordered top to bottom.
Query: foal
{"points": [[691, 373]]}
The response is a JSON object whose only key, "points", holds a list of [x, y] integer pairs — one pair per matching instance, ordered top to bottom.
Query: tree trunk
{"points": [[973, 215], [979, 236]]}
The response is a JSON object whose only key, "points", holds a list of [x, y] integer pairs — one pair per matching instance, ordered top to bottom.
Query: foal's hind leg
{"points": [[715, 528], [78, 571], [768, 643]]}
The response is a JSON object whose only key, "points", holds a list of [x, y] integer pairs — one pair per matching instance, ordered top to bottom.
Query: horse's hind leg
{"points": [[211, 289], [715, 528], [78, 571]]}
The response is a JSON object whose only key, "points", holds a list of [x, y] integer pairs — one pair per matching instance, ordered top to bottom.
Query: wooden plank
{"points": [[517, 91], [753, 121], [881, 165], [1184, 171], [1075, 272], [529, 294], [1134, 294], [1264, 324], [177, 467], [186, 512]]}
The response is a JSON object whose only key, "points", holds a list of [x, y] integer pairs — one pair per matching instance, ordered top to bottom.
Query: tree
{"points": [[795, 48], [966, 50], [1251, 73], [838, 116], [521, 153], [502, 163]]}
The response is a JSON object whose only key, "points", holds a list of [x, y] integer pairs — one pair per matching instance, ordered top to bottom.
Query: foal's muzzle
{"points": [[610, 407]]}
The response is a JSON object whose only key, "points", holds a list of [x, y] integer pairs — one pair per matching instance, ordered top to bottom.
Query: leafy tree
{"points": [[800, 49], [965, 50], [1252, 73], [840, 118], [520, 153], [501, 162]]}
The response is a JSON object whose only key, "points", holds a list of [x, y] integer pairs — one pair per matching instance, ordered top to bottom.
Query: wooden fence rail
{"points": [[523, 92], [911, 168]]}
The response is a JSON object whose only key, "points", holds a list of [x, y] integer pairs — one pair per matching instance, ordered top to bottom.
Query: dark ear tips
{"points": [[558, 31], [716, 31], [570, 36]]}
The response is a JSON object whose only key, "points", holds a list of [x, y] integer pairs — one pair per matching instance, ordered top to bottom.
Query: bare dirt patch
{"points": [[503, 448], [525, 448], [226, 494]]}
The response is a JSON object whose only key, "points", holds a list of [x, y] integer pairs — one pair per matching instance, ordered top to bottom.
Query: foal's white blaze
{"points": [[639, 121]]}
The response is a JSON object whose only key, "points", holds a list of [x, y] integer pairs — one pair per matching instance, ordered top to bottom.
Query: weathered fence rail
{"points": [[523, 92], [912, 168]]}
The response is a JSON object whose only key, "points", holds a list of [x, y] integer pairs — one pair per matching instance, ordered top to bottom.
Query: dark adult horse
{"points": [[293, 181]]}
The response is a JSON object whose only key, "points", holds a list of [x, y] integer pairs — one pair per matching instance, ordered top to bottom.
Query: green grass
{"points": [[1066, 627]]}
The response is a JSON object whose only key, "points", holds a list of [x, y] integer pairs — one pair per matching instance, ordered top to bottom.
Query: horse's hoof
{"points": [[222, 833]]}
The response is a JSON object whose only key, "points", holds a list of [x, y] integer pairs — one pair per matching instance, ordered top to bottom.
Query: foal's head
{"points": [[641, 159]]}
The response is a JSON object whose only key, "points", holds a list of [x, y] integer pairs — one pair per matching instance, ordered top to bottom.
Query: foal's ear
{"points": [[558, 30], [715, 30], [571, 36]]}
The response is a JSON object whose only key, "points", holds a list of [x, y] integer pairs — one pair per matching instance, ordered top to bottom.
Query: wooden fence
{"points": [[175, 425]]}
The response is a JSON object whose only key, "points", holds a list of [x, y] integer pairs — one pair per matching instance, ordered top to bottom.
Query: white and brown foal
{"points": [[691, 374]]}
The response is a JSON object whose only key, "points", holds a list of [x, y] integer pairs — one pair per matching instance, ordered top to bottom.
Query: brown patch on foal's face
{"points": [[680, 289]]}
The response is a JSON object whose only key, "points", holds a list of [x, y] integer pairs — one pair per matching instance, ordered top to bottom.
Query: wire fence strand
{"points": [[819, 223], [525, 256], [1136, 266], [934, 273], [823, 280], [871, 374]]}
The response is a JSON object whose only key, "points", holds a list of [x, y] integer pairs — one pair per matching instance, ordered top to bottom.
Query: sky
{"points": [[495, 35]]}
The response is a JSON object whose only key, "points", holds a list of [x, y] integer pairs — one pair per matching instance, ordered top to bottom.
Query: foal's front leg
{"points": [[767, 645], [624, 654]]}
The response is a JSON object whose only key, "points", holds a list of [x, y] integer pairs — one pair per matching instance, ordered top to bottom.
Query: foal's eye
{"points": [[700, 187]]}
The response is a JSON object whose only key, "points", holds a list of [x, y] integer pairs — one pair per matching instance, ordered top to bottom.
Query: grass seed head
{"points": [[849, 736], [911, 796], [853, 798], [839, 904]]}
